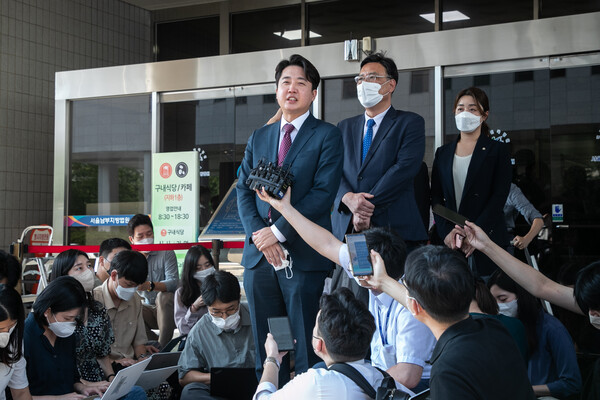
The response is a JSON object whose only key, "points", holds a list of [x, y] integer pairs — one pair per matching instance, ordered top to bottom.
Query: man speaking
{"points": [[313, 151]]}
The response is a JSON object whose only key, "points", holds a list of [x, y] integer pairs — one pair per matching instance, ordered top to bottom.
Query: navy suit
{"points": [[316, 163], [388, 172], [484, 195]]}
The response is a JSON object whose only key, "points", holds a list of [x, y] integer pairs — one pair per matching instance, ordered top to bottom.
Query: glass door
{"points": [[217, 124]]}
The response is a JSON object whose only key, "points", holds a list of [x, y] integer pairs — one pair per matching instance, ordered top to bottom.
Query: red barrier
{"points": [[140, 247]]}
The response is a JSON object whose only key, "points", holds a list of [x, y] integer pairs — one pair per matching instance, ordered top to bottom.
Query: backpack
{"points": [[386, 391]]}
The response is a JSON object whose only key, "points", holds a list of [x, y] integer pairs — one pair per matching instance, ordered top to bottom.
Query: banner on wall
{"points": [[175, 197]]}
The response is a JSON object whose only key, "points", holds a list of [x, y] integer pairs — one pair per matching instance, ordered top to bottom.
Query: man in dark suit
{"points": [[313, 150], [383, 152]]}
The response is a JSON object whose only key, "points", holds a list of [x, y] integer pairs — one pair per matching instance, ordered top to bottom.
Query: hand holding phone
{"points": [[359, 255], [282, 333]]}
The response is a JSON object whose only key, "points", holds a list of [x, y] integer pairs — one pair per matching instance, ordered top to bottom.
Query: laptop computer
{"points": [[161, 366], [123, 382], [233, 383]]}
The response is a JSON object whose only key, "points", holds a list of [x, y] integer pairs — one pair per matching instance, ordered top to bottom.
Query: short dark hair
{"points": [[390, 66], [311, 73], [137, 220], [109, 245], [390, 246], [64, 262], [131, 265], [10, 268], [441, 281], [221, 286], [587, 288], [190, 290], [62, 294], [11, 307], [346, 325]]}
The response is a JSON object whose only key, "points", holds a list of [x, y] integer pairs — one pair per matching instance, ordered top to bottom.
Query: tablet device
{"points": [[449, 215], [359, 255], [282, 332]]}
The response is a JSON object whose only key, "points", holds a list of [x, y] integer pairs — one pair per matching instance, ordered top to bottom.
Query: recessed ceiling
{"points": [[153, 5]]}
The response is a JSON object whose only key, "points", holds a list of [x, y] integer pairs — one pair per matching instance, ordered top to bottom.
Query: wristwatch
{"points": [[152, 286], [272, 360]]}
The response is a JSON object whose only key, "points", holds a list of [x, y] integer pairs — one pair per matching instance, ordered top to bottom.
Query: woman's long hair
{"points": [[483, 104], [190, 289], [11, 307], [529, 307]]}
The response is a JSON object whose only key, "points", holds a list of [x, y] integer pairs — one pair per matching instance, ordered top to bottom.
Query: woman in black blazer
{"points": [[472, 176]]}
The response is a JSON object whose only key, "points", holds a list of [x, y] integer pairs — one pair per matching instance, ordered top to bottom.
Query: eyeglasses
{"points": [[368, 78], [224, 314], [316, 337]]}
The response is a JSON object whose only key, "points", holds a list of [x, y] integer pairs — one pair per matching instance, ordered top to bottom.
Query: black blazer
{"points": [[484, 195]]}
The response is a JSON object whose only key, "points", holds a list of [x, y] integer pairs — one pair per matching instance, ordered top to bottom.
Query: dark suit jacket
{"points": [[316, 163], [388, 172], [486, 187]]}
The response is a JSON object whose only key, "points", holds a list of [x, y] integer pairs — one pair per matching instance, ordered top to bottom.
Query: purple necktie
{"points": [[286, 143]]}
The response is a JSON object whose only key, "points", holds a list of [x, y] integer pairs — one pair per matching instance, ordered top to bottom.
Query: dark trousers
{"points": [[271, 294]]}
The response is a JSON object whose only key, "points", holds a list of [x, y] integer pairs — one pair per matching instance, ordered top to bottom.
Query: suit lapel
{"points": [[307, 130], [382, 131], [357, 139], [273, 143], [481, 150], [448, 177]]}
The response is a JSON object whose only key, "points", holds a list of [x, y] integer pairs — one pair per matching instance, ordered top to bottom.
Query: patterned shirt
{"points": [[93, 341]]}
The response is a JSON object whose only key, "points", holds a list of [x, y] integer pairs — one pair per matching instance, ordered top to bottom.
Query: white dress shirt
{"points": [[378, 118], [297, 125], [460, 167], [399, 337], [321, 383]]}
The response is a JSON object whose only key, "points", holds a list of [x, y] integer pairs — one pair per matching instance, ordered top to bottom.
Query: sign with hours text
{"points": [[175, 197]]}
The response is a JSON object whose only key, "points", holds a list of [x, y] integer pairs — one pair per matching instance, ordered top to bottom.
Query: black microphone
{"points": [[273, 178]]}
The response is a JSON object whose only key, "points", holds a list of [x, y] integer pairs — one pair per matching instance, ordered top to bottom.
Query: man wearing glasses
{"points": [[383, 152], [221, 338]]}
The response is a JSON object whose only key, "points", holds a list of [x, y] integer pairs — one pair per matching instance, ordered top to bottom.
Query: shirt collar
{"points": [[378, 118], [296, 122], [383, 299]]}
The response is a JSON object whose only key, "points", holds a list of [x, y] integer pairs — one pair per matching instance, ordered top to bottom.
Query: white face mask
{"points": [[368, 94], [467, 122], [145, 241], [200, 275], [86, 278], [124, 293], [510, 309], [595, 321], [228, 323], [61, 329], [5, 337]]}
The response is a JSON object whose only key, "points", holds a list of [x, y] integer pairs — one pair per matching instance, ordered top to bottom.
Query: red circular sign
{"points": [[166, 170], [163, 232]]}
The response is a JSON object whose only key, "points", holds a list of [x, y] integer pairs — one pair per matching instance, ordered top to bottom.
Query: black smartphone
{"points": [[449, 215], [359, 255], [282, 332]]}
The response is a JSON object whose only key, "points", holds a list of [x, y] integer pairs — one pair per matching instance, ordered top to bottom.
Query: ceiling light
{"points": [[447, 16], [295, 34]]}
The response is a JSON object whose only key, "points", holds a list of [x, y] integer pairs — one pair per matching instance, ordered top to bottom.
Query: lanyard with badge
{"points": [[382, 329]]}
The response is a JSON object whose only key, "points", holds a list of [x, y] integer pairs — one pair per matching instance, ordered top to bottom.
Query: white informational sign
{"points": [[175, 197], [557, 213]]}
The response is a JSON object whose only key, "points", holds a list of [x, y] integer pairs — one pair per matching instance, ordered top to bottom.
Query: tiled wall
{"points": [[37, 39]]}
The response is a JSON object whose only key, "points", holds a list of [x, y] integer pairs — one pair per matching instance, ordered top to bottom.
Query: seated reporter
{"points": [[342, 334], [221, 338], [49, 342]]}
